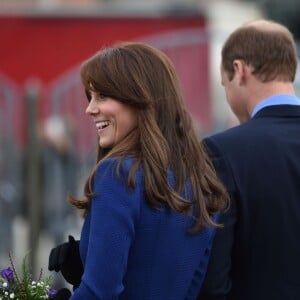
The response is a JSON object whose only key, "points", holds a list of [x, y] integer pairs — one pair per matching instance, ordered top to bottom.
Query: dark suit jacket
{"points": [[256, 256]]}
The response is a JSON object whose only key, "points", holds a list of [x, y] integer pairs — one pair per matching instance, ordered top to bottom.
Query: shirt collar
{"points": [[284, 99]]}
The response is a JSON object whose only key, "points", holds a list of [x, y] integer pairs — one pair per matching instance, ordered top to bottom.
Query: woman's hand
{"points": [[66, 258]]}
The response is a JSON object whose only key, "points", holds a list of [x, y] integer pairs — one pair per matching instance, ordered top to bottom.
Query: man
{"points": [[256, 256]]}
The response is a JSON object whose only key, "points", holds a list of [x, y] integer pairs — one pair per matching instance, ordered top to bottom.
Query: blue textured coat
{"points": [[131, 251]]}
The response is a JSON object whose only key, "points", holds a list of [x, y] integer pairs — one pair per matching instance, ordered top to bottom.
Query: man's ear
{"points": [[240, 70]]}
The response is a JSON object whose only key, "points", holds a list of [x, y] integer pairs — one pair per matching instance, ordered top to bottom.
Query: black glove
{"points": [[66, 258], [62, 294]]}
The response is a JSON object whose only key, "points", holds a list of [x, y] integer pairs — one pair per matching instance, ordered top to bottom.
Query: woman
{"points": [[152, 198]]}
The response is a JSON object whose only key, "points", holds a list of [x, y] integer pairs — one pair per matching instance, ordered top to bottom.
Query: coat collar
{"points": [[283, 110]]}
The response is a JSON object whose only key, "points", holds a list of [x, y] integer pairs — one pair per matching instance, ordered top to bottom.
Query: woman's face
{"points": [[114, 120]]}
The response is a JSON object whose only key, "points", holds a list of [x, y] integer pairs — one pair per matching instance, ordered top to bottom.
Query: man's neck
{"points": [[262, 91]]}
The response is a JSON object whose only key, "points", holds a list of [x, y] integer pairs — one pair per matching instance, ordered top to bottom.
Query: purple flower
{"points": [[7, 274], [52, 293]]}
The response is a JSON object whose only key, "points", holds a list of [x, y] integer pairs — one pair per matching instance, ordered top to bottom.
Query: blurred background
{"points": [[47, 143]]}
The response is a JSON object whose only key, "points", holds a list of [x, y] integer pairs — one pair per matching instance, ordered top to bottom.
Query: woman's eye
{"points": [[97, 96]]}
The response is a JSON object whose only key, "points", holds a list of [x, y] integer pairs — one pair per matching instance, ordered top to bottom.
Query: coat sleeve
{"points": [[114, 212], [217, 282]]}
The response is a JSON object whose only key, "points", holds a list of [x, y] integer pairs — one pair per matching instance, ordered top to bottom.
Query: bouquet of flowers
{"points": [[12, 286]]}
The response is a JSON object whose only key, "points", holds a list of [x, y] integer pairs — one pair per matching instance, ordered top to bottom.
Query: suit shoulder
{"points": [[241, 132]]}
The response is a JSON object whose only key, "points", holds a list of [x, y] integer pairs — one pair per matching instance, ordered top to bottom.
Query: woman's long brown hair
{"points": [[144, 77]]}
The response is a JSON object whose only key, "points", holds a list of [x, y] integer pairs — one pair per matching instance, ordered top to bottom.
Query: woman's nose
{"points": [[91, 108]]}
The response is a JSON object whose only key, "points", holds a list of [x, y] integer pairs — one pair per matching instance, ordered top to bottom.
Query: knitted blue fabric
{"points": [[132, 251]]}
